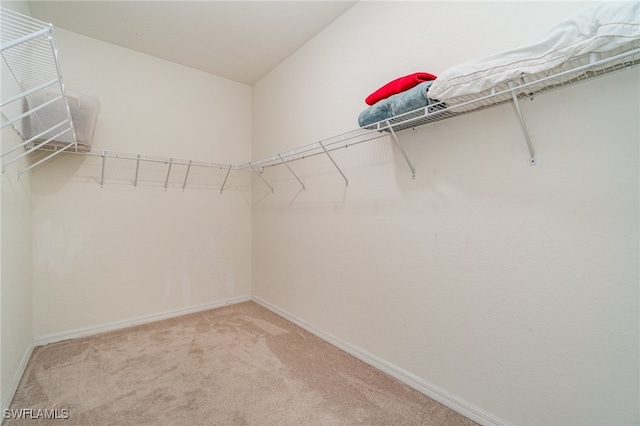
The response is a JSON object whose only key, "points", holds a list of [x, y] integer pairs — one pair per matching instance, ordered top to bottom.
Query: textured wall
{"points": [[105, 255], [15, 259], [16, 277], [512, 288]]}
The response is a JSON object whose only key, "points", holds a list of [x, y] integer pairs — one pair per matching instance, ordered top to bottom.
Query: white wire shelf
{"points": [[577, 70], [33, 101], [35, 105], [170, 162]]}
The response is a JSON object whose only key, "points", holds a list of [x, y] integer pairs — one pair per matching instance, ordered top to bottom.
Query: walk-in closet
{"points": [[320, 212]]}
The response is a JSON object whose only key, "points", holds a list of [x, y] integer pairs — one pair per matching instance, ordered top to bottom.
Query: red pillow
{"points": [[399, 85]]}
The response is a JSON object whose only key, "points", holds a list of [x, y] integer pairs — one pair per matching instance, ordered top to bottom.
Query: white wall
{"points": [[107, 255], [15, 261], [16, 275], [511, 288], [514, 289]]}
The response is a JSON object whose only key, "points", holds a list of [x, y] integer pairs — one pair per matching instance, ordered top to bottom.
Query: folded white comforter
{"points": [[600, 28]]}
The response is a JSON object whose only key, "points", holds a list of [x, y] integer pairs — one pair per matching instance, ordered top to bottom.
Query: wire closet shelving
{"points": [[576, 70], [34, 101], [37, 108]]}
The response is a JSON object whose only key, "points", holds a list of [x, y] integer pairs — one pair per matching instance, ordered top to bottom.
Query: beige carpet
{"points": [[237, 365]]}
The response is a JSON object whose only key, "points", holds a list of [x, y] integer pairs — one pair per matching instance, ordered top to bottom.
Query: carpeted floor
{"points": [[237, 365]]}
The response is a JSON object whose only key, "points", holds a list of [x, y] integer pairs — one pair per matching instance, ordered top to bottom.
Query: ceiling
{"points": [[238, 40]]}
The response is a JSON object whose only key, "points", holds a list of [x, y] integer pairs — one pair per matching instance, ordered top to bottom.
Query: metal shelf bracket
{"points": [[532, 153], [404, 154], [104, 157], [334, 163], [292, 172], [226, 177], [261, 177], [135, 180], [166, 181], [184, 184]]}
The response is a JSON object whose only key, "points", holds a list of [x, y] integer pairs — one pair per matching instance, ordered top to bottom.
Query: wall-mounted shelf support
{"points": [[404, 154], [532, 154], [104, 159], [334, 163], [292, 172], [226, 177], [261, 177], [135, 179], [166, 181], [184, 184]]}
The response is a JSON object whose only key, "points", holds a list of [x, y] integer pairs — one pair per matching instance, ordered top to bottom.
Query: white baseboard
{"points": [[89, 331], [15, 381], [432, 391]]}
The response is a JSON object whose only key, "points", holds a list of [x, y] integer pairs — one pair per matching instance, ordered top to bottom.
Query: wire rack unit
{"points": [[577, 70], [33, 102], [35, 105], [141, 158]]}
